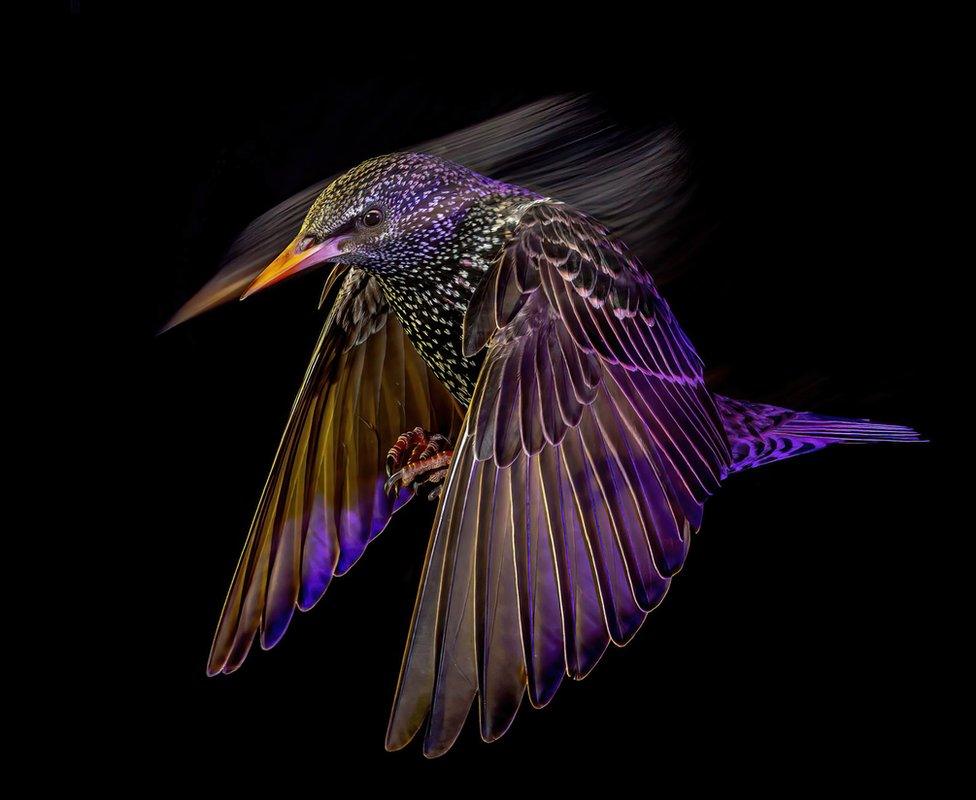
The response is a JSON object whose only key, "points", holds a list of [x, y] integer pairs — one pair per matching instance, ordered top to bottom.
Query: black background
{"points": [[796, 640]]}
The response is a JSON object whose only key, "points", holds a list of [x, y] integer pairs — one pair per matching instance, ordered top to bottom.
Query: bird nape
{"points": [[498, 347]]}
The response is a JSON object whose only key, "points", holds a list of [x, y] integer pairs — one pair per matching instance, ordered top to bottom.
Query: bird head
{"points": [[385, 215]]}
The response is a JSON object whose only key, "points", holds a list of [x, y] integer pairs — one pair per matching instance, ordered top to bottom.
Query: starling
{"points": [[499, 348]]}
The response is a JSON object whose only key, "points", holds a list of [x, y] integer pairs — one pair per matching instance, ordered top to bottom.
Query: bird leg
{"points": [[418, 459]]}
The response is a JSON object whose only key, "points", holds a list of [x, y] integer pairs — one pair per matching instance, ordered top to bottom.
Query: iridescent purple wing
{"points": [[588, 450], [324, 499]]}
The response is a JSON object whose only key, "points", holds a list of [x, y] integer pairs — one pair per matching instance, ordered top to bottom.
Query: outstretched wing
{"points": [[587, 452], [324, 499]]}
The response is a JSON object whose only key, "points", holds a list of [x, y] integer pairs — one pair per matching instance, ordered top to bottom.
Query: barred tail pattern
{"points": [[761, 434]]}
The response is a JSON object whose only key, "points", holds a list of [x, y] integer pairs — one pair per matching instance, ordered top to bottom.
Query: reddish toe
{"points": [[418, 459]]}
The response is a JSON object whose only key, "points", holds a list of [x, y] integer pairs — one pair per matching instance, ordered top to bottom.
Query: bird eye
{"points": [[372, 218], [305, 243]]}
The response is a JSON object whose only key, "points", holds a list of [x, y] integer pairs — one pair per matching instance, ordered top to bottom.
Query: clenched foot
{"points": [[419, 459]]}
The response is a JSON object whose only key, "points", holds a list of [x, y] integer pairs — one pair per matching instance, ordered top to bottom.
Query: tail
{"points": [[760, 434]]}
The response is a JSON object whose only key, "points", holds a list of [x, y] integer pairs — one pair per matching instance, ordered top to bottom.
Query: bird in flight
{"points": [[499, 349]]}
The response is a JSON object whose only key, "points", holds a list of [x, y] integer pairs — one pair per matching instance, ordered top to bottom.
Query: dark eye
{"points": [[372, 218]]}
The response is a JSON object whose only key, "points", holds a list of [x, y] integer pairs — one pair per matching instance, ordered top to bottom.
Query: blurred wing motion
{"points": [[635, 183], [251, 252], [587, 453], [324, 499]]}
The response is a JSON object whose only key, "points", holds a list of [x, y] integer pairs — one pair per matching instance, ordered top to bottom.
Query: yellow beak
{"points": [[296, 257]]}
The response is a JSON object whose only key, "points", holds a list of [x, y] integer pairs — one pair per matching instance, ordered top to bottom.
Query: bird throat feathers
{"points": [[430, 295]]}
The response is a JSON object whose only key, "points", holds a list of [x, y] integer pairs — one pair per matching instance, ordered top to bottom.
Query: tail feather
{"points": [[761, 434]]}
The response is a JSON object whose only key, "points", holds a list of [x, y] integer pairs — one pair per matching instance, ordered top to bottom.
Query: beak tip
{"points": [[252, 288]]}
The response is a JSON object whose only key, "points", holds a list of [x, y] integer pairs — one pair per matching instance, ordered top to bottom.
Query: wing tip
{"points": [[307, 600], [272, 634], [215, 662], [215, 668], [540, 699], [495, 726], [399, 733], [441, 738], [398, 739], [432, 751]]}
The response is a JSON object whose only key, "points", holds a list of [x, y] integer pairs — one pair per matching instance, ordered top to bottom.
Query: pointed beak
{"points": [[299, 255]]}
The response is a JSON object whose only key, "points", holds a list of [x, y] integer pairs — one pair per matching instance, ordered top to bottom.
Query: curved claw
{"points": [[392, 485]]}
